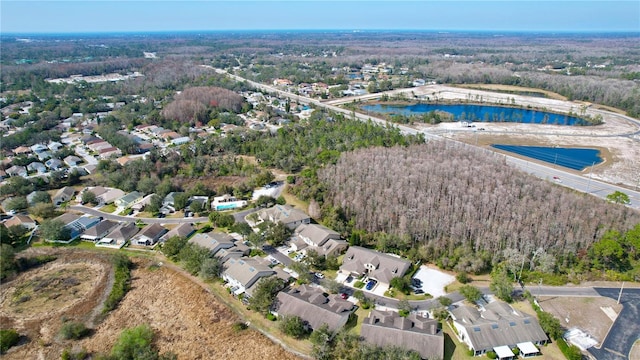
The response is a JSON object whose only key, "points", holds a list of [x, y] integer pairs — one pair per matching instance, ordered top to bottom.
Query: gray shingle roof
{"points": [[284, 214], [183, 230], [317, 234], [213, 241], [386, 266], [246, 271], [315, 308], [498, 325], [385, 328]]}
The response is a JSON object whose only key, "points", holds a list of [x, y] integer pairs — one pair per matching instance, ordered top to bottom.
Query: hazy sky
{"points": [[26, 16]]}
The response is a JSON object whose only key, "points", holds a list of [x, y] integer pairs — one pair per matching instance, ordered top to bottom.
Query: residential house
{"points": [[181, 140], [55, 146], [39, 148], [21, 150], [109, 153], [44, 155], [72, 160], [54, 164], [37, 167], [17, 170], [63, 195], [128, 200], [169, 201], [140, 205], [285, 214], [21, 220], [76, 224], [183, 230], [99, 231], [149, 235], [119, 236], [319, 238], [214, 241], [237, 251], [359, 261], [243, 274], [314, 307], [497, 327], [414, 332]]}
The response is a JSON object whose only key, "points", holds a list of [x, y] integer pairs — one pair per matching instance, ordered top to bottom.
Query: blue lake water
{"points": [[485, 113], [572, 158]]}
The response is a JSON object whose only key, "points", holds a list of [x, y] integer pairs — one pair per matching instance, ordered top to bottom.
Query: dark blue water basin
{"points": [[485, 113], [572, 158]]}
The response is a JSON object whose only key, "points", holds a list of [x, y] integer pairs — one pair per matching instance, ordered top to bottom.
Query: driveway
{"points": [[284, 259], [625, 330]]}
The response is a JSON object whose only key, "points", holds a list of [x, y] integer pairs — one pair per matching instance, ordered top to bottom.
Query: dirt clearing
{"points": [[593, 315], [187, 319]]}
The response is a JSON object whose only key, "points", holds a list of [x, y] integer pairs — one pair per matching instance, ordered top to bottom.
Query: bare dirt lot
{"points": [[594, 315], [187, 319]]}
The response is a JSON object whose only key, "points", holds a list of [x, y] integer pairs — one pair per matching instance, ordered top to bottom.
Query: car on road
{"points": [[557, 179], [319, 275], [371, 284], [344, 296]]}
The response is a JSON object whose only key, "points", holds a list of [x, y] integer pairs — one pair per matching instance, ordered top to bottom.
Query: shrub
{"points": [[463, 278], [121, 283], [358, 284], [444, 301], [239, 326], [293, 326], [73, 330], [8, 338], [570, 352], [67, 354], [492, 355]]}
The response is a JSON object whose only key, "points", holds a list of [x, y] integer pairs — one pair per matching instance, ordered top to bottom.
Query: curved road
{"points": [[570, 180]]}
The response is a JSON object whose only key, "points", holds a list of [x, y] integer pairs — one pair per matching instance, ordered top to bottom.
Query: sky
{"points": [[82, 16]]}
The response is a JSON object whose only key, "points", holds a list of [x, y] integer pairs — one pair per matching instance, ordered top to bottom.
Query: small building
{"points": [[181, 140], [55, 146], [22, 150], [72, 161], [54, 164], [37, 167], [17, 170], [63, 195], [110, 196], [128, 200], [285, 214], [21, 220], [76, 224], [99, 231], [183, 231], [119, 236], [149, 236], [319, 238], [214, 241], [359, 261], [242, 274], [314, 307], [496, 327], [414, 332]]}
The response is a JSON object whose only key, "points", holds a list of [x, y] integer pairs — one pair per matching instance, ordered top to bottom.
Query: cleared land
{"points": [[594, 315], [193, 317]]}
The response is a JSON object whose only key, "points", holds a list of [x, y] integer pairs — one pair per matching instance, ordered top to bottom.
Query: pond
{"points": [[485, 113], [572, 158]]}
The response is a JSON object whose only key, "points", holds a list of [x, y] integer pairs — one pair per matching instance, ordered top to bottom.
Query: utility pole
{"points": [[590, 174], [620, 295]]}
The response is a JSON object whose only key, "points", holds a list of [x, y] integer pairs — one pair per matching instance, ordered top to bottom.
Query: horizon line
{"points": [[354, 30]]}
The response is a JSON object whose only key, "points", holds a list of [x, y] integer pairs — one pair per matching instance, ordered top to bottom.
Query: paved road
{"points": [[570, 180], [104, 215], [626, 329]]}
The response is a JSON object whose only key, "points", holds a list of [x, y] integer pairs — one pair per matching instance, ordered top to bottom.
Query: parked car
{"points": [[319, 275], [416, 282], [371, 284], [419, 291], [344, 296]]}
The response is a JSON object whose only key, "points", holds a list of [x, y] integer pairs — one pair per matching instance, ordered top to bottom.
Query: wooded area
{"points": [[462, 207]]}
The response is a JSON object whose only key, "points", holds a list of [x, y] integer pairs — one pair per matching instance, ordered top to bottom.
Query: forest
{"points": [[465, 209]]}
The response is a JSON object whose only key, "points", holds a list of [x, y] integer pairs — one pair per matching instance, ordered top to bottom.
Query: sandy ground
{"points": [[616, 138], [433, 281], [592, 315], [187, 319]]}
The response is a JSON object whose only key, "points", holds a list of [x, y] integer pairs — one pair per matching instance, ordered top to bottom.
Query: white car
{"points": [[319, 275]]}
